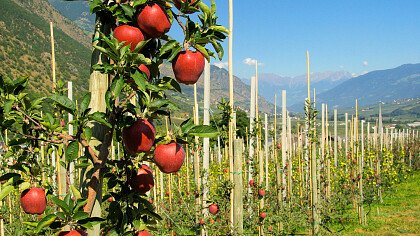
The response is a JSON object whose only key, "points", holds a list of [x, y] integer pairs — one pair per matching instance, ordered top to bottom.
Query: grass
{"points": [[399, 214]]}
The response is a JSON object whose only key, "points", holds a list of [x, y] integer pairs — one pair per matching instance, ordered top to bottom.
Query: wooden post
{"points": [[52, 56], [98, 85], [231, 101], [70, 117], [251, 130], [322, 131], [346, 135], [335, 139], [206, 141], [283, 142], [266, 150], [289, 158], [361, 160], [313, 164], [197, 175], [1, 218], [238, 222]]}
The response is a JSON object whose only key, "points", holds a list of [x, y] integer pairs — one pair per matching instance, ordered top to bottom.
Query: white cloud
{"points": [[251, 62], [365, 63], [221, 64]]}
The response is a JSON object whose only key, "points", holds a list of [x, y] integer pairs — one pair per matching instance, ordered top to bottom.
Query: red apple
{"points": [[178, 5], [153, 20], [128, 34], [188, 66], [143, 68], [139, 137], [279, 146], [169, 157], [143, 181], [251, 183], [261, 192], [110, 199], [33, 201], [213, 209], [263, 215], [211, 221], [202, 222], [75, 232], [144, 233]]}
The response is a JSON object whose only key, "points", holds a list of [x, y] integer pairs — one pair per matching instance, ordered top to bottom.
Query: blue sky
{"points": [[355, 36]]}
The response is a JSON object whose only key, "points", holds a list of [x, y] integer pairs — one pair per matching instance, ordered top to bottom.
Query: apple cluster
{"points": [[153, 22]]}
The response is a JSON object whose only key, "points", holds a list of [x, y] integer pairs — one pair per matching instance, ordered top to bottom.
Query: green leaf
{"points": [[138, 3], [95, 5], [128, 10], [219, 28], [140, 45], [169, 46], [218, 48], [203, 51], [174, 53], [140, 80], [19, 84], [116, 86], [64, 102], [158, 103], [84, 105], [7, 107], [100, 117], [187, 125], [203, 131], [87, 133], [72, 151], [9, 176], [24, 186], [6, 191], [76, 193], [80, 203], [61, 204], [81, 215], [46, 221], [91, 221], [32, 224]]}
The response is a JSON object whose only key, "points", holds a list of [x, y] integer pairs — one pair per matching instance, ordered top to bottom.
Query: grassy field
{"points": [[398, 215]]}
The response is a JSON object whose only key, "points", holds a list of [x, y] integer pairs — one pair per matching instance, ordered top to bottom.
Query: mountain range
{"points": [[270, 84], [376, 86]]}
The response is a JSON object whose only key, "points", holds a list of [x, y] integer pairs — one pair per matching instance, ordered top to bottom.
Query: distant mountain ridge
{"points": [[376, 86], [296, 87]]}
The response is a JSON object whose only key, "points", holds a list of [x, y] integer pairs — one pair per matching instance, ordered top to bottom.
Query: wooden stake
{"points": [[52, 56], [98, 85], [70, 117], [251, 130], [335, 140], [206, 142], [283, 142], [266, 150], [289, 158], [238, 188], [1, 218]]}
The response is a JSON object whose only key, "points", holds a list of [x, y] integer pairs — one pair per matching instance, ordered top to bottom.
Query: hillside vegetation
{"points": [[25, 48]]}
